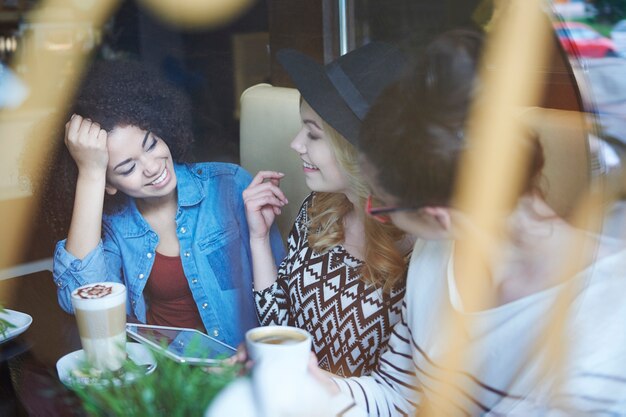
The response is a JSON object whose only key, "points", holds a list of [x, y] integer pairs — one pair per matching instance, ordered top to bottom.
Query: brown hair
{"points": [[415, 133]]}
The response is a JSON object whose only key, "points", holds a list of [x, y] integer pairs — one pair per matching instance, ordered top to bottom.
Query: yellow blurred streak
{"points": [[198, 13], [51, 87], [491, 175], [588, 216]]}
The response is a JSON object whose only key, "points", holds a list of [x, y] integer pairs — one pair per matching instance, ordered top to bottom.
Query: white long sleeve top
{"points": [[501, 372]]}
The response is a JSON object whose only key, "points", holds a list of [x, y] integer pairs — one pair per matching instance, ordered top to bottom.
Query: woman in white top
{"points": [[502, 368]]}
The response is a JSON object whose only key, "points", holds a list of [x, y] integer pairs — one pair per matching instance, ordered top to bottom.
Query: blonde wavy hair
{"points": [[384, 266]]}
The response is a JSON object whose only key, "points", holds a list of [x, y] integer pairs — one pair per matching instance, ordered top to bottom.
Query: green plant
{"points": [[4, 324], [173, 390]]}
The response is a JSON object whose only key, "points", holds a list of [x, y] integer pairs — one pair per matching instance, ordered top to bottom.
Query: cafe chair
{"points": [[270, 119], [576, 161], [568, 163]]}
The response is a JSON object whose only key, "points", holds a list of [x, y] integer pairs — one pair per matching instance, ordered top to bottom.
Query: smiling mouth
{"points": [[308, 166], [160, 178]]}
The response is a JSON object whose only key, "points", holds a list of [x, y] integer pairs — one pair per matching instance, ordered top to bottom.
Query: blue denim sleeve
{"points": [[278, 247], [70, 272]]}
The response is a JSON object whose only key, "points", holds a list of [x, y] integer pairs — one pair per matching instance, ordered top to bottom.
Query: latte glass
{"points": [[100, 310]]}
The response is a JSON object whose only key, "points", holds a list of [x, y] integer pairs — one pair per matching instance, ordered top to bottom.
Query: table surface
{"points": [[29, 384]]}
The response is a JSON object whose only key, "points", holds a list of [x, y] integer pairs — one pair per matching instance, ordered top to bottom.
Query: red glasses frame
{"points": [[382, 213]]}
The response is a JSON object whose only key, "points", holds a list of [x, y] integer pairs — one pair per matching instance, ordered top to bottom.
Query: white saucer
{"points": [[21, 321], [138, 353]]}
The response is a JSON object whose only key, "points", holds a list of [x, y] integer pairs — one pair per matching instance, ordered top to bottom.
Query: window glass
{"points": [[594, 39]]}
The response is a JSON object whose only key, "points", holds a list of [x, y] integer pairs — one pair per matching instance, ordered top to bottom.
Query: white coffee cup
{"points": [[100, 310], [279, 347], [280, 355]]}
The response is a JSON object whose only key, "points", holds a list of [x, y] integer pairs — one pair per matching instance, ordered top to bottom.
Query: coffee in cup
{"points": [[100, 310], [279, 337]]}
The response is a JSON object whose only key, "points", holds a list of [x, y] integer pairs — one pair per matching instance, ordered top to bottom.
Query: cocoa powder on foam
{"points": [[95, 291]]}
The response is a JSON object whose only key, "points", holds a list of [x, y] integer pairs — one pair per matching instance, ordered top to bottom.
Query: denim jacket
{"points": [[214, 249]]}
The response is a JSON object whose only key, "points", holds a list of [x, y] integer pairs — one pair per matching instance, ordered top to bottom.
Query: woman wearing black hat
{"points": [[344, 276]]}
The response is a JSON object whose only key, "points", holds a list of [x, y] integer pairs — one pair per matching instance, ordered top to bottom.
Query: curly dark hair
{"points": [[112, 93], [414, 135]]}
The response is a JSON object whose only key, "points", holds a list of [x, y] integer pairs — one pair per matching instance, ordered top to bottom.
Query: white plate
{"points": [[21, 321], [75, 360]]}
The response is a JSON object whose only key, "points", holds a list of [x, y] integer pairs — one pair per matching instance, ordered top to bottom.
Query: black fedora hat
{"points": [[343, 91]]}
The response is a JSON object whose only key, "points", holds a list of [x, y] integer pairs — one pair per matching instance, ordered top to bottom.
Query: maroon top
{"points": [[170, 299]]}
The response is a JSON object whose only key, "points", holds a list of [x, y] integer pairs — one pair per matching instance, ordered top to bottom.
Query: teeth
{"points": [[309, 166], [161, 178]]}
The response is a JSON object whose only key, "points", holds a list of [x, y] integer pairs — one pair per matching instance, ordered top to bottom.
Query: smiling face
{"points": [[140, 164], [321, 170]]}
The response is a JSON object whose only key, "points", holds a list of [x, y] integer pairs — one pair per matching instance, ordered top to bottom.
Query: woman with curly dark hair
{"points": [[174, 233]]}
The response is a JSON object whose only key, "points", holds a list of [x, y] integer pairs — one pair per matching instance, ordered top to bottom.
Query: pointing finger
{"points": [[263, 176]]}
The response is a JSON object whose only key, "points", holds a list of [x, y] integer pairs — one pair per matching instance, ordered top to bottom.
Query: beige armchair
{"points": [[270, 119], [577, 161], [567, 173]]}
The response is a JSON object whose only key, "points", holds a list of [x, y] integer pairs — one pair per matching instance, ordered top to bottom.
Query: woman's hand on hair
{"points": [[87, 143], [263, 200]]}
